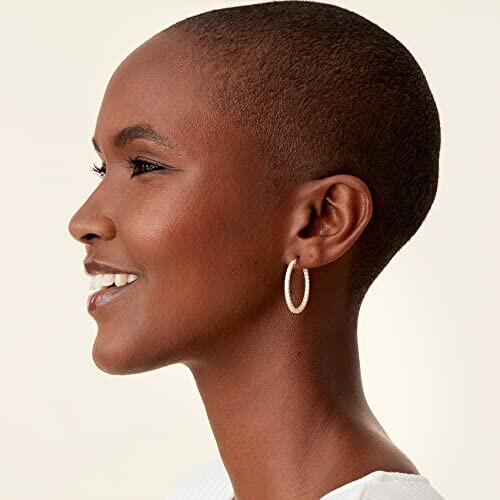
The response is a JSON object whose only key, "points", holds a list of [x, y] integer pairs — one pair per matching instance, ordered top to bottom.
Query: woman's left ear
{"points": [[331, 215]]}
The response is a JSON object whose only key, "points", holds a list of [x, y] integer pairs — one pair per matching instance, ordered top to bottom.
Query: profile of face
{"points": [[192, 221]]}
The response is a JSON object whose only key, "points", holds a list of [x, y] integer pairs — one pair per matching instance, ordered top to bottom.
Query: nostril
{"points": [[88, 237]]}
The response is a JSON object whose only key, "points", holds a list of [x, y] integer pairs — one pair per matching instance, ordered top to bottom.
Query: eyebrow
{"points": [[133, 132]]}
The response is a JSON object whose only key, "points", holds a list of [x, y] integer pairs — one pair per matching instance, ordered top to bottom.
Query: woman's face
{"points": [[199, 234]]}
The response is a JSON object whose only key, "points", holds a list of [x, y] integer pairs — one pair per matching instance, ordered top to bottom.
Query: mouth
{"points": [[107, 294]]}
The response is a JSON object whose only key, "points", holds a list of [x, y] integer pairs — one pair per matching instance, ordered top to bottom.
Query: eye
{"points": [[137, 165], [100, 171]]}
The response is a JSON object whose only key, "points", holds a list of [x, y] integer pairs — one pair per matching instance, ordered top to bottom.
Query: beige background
{"points": [[429, 334]]}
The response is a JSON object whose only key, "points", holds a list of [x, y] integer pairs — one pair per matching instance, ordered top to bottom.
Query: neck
{"points": [[286, 405]]}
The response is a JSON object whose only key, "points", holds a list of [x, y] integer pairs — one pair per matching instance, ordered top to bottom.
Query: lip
{"points": [[102, 297]]}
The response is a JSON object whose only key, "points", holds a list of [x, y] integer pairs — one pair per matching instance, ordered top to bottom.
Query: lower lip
{"points": [[106, 295]]}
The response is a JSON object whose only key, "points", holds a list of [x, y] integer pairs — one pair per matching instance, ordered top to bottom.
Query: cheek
{"points": [[204, 262]]}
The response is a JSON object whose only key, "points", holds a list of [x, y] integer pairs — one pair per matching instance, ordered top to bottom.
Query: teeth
{"points": [[107, 279], [120, 279], [98, 281]]}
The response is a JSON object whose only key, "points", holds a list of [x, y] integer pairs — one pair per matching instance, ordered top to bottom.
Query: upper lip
{"points": [[95, 267]]}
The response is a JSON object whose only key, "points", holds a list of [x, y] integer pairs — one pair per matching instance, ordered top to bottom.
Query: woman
{"points": [[261, 165]]}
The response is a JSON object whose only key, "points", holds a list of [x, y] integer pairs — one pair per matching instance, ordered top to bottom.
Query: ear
{"points": [[329, 215]]}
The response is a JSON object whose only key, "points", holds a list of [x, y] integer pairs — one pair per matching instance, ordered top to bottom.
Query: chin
{"points": [[118, 360]]}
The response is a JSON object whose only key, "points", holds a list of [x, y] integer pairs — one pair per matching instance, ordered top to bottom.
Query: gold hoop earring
{"points": [[288, 299]]}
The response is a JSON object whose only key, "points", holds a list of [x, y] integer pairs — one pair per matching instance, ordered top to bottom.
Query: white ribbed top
{"points": [[211, 482]]}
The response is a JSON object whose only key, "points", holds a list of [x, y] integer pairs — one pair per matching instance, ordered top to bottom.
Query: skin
{"points": [[282, 391]]}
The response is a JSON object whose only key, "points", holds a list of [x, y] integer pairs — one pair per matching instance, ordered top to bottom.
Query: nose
{"points": [[90, 222]]}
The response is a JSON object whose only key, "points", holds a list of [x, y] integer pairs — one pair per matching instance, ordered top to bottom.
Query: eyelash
{"points": [[134, 164]]}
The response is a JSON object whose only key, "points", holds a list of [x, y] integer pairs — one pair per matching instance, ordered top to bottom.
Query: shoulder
{"points": [[209, 481]]}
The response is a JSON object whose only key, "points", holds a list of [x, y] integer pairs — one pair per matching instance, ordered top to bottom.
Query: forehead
{"points": [[158, 85]]}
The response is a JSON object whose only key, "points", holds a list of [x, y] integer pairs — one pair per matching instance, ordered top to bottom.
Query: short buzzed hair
{"points": [[326, 91]]}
